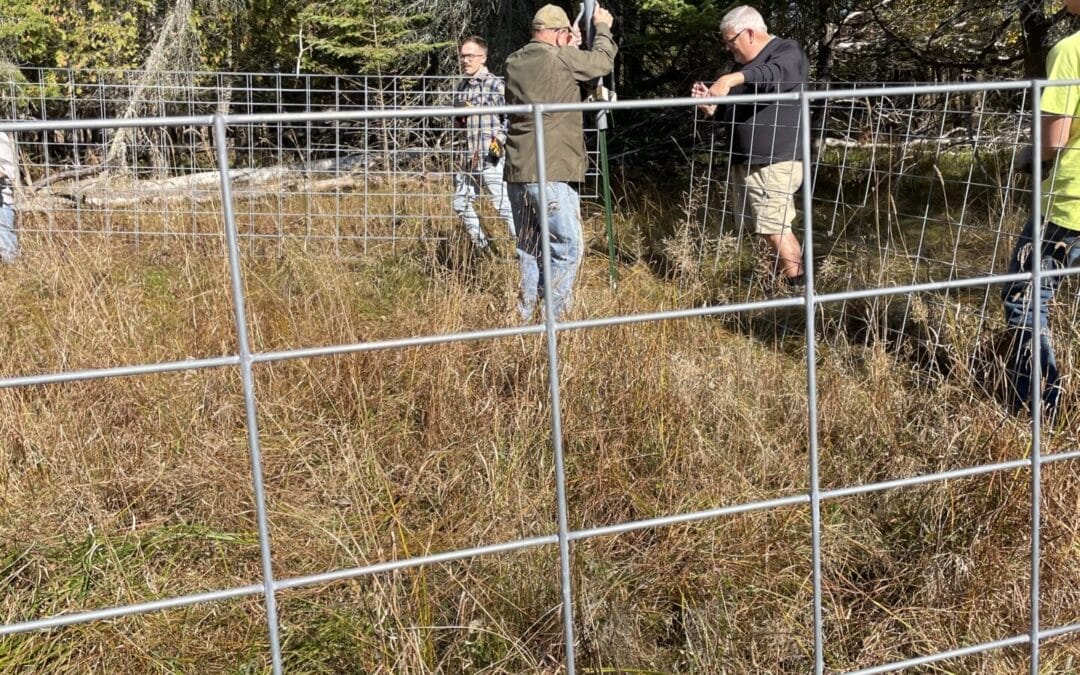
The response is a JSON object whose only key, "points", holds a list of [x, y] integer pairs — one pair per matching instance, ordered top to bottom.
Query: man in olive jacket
{"points": [[550, 69]]}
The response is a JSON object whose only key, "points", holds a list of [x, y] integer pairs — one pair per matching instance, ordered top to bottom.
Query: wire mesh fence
{"points": [[356, 182], [910, 186], [868, 211]]}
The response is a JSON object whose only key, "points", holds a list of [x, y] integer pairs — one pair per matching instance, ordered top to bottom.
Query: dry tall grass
{"points": [[135, 489]]}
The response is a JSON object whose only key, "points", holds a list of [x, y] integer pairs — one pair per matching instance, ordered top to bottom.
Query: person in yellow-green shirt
{"points": [[1060, 229]]}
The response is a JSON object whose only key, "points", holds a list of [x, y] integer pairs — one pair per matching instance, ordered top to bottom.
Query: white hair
{"points": [[742, 18]]}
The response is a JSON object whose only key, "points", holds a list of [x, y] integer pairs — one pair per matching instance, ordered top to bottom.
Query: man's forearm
{"points": [[733, 79], [725, 83], [1055, 134], [1055, 137], [1025, 161]]}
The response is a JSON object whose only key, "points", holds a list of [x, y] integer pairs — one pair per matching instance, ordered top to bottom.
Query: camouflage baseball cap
{"points": [[550, 17]]}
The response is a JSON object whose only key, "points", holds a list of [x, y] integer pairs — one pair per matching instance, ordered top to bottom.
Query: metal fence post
{"points": [[307, 162], [1036, 367], [811, 380], [249, 393], [556, 411]]}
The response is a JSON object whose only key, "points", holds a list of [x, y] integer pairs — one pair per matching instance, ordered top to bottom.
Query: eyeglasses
{"points": [[730, 42], [469, 57]]}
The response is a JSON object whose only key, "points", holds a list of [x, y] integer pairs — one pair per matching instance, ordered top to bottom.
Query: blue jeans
{"points": [[467, 188], [564, 226], [9, 243], [1060, 249]]}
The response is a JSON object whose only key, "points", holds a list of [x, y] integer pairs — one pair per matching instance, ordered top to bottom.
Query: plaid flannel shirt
{"points": [[484, 89]]}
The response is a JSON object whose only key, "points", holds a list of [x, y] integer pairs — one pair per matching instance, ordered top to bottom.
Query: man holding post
{"points": [[551, 69]]}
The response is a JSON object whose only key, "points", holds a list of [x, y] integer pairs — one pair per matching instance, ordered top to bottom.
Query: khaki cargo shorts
{"points": [[764, 195]]}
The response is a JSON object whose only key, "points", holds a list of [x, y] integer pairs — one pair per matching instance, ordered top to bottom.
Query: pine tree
{"points": [[369, 36]]}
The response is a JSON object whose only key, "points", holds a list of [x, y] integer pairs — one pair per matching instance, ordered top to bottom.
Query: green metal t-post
{"points": [[605, 172]]}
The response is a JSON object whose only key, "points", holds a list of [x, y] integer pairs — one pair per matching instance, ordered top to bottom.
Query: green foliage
{"points": [[27, 30], [98, 33], [104, 35], [366, 36], [253, 37], [952, 39], [662, 43]]}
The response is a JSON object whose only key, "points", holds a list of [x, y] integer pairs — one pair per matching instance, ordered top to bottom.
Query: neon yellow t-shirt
{"points": [[1061, 190]]}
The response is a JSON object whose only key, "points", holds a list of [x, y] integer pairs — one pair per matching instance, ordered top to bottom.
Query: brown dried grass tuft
{"points": [[135, 489]]}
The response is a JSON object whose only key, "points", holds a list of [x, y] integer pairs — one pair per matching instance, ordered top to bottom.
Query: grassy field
{"points": [[130, 490]]}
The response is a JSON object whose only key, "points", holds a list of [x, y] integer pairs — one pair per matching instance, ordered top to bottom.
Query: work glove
{"points": [[495, 151], [1024, 164]]}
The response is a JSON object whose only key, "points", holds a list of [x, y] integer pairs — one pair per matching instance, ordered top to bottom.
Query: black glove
{"points": [[495, 151], [1025, 165]]}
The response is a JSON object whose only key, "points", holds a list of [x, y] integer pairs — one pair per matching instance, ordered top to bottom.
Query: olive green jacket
{"points": [[543, 73]]}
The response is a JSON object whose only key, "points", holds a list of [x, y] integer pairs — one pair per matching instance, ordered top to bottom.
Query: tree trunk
{"points": [[1036, 25]]}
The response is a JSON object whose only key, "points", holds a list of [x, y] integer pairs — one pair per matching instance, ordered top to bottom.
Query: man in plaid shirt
{"points": [[481, 161]]}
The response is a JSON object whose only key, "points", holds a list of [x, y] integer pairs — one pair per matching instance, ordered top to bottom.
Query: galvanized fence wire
{"points": [[948, 129], [294, 177], [908, 181], [811, 302]]}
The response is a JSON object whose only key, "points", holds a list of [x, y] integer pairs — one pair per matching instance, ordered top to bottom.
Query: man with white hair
{"points": [[765, 150]]}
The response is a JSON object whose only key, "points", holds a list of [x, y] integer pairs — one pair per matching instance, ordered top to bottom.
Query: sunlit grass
{"points": [[136, 489]]}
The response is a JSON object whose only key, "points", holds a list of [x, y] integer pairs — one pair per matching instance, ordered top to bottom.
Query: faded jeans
{"points": [[467, 186], [564, 226], [9, 243], [1060, 249]]}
